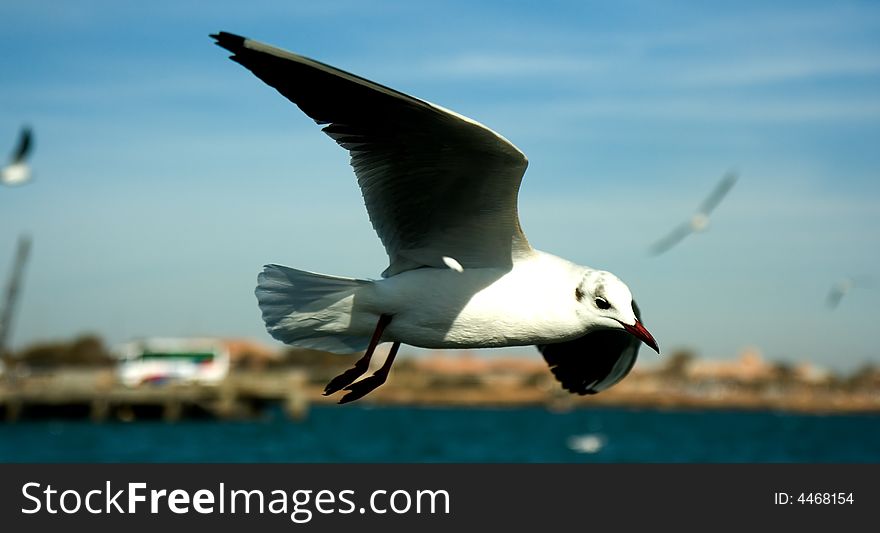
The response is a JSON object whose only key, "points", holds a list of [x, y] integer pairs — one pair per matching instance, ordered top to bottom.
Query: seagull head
{"points": [[607, 303]]}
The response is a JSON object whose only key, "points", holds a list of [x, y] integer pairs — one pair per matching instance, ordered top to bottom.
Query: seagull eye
{"points": [[602, 303]]}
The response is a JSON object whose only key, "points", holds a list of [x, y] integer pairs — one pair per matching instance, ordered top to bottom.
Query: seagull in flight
{"points": [[18, 172], [441, 192], [699, 221], [841, 288]]}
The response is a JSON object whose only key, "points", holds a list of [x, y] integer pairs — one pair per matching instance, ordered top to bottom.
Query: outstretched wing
{"points": [[24, 146], [436, 184], [721, 190], [670, 240], [834, 297], [594, 362]]}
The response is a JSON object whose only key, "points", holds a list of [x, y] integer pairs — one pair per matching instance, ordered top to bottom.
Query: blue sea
{"points": [[406, 434]]}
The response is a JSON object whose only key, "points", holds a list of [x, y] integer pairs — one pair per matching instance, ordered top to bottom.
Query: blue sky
{"points": [[166, 175]]}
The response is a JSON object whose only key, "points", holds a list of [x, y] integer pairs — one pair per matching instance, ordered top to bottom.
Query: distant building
{"points": [[250, 353], [161, 360], [465, 365], [748, 367], [809, 373]]}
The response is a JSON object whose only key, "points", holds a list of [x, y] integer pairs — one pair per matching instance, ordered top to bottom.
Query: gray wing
{"points": [[23, 149], [435, 183], [721, 190], [670, 240], [838, 291], [834, 297], [594, 362]]}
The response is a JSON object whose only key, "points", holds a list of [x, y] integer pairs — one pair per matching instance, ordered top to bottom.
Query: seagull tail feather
{"points": [[309, 310]]}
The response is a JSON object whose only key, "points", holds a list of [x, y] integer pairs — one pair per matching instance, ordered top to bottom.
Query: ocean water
{"points": [[405, 434]]}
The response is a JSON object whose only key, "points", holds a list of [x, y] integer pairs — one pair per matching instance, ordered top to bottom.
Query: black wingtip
{"points": [[229, 41], [25, 144]]}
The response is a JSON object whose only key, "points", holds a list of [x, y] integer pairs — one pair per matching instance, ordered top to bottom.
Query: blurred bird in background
{"points": [[18, 172], [699, 221], [841, 288]]}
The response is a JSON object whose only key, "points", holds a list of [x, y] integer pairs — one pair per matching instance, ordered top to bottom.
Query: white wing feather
{"points": [[435, 184]]}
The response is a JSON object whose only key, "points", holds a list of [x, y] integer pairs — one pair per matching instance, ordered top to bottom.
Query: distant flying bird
{"points": [[18, 172], [441, 192], [700, 220], [841, 288]]}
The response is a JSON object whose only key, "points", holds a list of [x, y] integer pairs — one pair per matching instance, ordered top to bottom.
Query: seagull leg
{"points": [[347, 377], [367, 385]]}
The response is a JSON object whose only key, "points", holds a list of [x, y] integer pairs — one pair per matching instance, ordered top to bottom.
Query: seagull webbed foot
{"points": [[346, 378], [365, 386]]}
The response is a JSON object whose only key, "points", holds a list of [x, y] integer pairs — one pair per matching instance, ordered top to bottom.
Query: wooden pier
{"points": [[97, 395]]}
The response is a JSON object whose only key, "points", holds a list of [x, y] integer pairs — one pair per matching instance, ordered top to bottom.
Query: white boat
{"points": [[163, 360]]}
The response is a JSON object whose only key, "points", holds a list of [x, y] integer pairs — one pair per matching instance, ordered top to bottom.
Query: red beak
{"points": [[639, 331]]}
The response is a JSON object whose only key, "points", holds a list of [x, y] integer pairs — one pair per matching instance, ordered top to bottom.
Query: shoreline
{"points": [[246, 394], [513, 398]]}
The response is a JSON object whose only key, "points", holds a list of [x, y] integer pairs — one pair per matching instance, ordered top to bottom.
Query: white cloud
{"points": [[511, 64], [754, 71], [762, 110]]}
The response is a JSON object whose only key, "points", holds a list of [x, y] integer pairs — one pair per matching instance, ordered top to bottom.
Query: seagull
{"points": [[18, 172], [441, 192], [700, 220], [841, 288]]}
